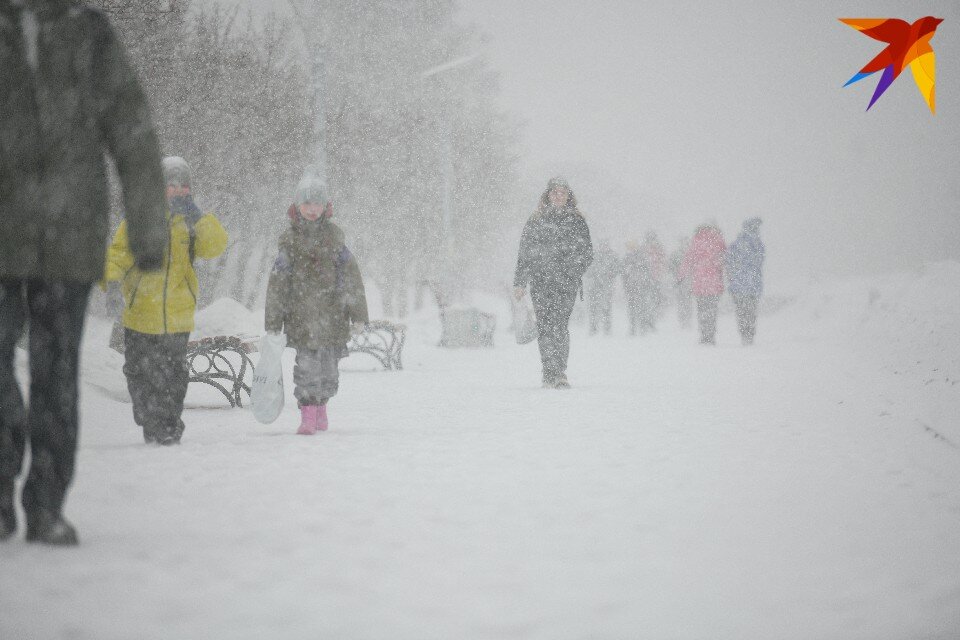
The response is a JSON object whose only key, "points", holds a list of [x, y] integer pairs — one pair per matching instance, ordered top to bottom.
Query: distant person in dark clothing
{"points": [[67, 97], [555, 251], [744, 262], [635, 274], [600, 280], [651, 281], [681, 286], [641, 289]]}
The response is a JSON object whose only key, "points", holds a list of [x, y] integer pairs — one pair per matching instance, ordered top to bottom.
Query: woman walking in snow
{"points": [[555, 251], [704, 263], [316, 296]]}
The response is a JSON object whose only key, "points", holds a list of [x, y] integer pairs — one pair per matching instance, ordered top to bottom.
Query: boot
{"points": [[562, 382], [308, 420], [322, 422], [169, 436], [8, 515], [53, 530]]}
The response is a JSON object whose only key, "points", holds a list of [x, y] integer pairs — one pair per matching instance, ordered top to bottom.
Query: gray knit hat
{"points": [[176, 170], [556, 182], [311, 189]]}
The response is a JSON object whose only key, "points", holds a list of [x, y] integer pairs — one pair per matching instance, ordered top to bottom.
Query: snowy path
{"points": [[675, 492]]}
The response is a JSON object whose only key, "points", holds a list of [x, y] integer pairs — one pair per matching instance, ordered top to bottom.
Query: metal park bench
{"points": [[384, 341], [223, 362], [209, 364]]}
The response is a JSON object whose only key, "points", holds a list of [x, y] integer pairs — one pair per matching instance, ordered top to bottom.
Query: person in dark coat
{"points": [[67, 96], [555, 251], [744, 263], [600, 279], [651, 282], [681, 286], [639, 289]]}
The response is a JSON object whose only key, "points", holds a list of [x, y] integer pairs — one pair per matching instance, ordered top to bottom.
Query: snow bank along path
{"points": [[804, 488]]}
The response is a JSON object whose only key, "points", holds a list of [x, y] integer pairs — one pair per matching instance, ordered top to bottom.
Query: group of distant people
{"points": [[556, 256], [642, 269], [698, 269]]}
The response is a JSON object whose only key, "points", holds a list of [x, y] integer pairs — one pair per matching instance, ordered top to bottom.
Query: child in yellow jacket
{"points": [[159, 307]]}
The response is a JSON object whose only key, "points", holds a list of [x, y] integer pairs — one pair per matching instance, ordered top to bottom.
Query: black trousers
{"points": [[553, 303], [55, 310], [746, 316], [707, 318], [157, 378]]}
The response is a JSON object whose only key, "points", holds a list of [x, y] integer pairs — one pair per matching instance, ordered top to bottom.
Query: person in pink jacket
{"points": [[703, 263]]}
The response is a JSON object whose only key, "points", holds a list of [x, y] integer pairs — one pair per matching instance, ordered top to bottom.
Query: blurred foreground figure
{"points": [[67, 96], [555, 251], [704, 263], [745, 273], [600, 279], [316, 296], [159, 307]]}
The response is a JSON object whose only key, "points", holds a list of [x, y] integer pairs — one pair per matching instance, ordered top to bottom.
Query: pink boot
{"points": [[322, 417], [308, 420]]}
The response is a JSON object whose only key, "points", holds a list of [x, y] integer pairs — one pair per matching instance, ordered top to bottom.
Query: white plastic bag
{"points": [[524, 321], [266, 393]]}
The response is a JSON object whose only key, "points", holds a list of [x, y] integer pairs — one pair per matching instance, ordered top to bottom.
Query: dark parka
{"points": [[55, 124], [555, 248], [555, 251], [604, 270], [315, 289]]}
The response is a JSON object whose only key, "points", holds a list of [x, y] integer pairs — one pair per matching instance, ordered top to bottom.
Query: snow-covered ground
{"points": [[808, 487]]}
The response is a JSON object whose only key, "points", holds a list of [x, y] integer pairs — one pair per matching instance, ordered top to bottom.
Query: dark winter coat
{"points": [[66, 97], [555, 248], [744, 262], [604, 269], [638, 275], [315, 288]]}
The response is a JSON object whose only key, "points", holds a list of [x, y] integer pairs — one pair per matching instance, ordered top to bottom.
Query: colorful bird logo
{"points": [[907, 44]]}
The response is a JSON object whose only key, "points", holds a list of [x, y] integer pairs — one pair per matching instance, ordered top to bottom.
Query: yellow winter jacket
{"points": [[164, 301]]}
